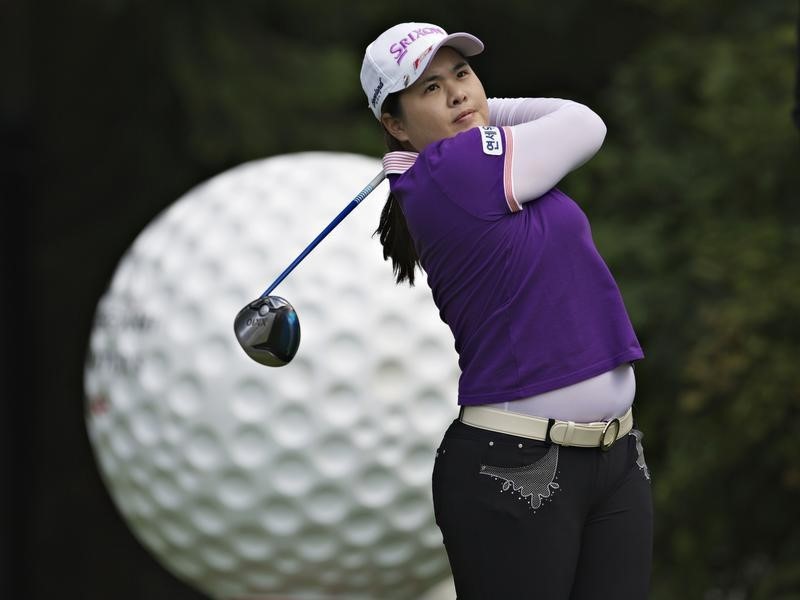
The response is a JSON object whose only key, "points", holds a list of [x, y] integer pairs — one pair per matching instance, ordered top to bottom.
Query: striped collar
{"points": [[398, 162]]}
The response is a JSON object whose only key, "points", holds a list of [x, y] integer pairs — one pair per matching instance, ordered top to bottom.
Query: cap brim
{"points": [[465, 43]]}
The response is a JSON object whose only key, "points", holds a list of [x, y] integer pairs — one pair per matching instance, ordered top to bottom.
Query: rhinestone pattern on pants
{"points": [[536, 481]]}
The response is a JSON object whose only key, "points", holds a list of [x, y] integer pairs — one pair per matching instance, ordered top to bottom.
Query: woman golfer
{"points": [[540, 487]]}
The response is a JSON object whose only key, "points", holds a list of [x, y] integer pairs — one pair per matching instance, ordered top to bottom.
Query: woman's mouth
{"points": [[464, 116]]}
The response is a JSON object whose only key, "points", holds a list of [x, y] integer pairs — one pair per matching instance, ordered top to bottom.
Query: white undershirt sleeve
{"points": [[549, 138]]}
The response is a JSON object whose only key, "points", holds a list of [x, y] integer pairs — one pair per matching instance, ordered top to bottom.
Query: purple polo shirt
{"points": [[531, 303]]}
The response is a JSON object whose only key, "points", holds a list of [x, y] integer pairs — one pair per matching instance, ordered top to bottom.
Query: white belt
{"points": [[601, 434]]}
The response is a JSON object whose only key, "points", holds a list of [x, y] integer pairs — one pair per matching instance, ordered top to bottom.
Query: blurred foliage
{"points": [[693, 200], [697, 208]]}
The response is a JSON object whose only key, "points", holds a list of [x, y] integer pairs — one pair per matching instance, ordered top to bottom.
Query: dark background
{"points": [[112, 109]]}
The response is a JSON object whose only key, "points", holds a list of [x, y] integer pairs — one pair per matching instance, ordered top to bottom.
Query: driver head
{"points": [[268, 330]]}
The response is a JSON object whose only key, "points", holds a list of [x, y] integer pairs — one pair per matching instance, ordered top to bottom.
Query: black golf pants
{"points": [[529, 520]]}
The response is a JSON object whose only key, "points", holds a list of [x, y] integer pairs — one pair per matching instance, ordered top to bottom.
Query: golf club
{"points": [[267, 328]]}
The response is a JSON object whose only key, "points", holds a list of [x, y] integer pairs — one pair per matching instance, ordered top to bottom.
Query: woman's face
{"points": [[446, 99]]}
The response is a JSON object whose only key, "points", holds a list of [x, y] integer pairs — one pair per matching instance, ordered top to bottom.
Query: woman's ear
{"points": [[394, 126]]}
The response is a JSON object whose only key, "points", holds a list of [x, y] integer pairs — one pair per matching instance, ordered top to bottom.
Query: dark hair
{"points": [[392, 229]]}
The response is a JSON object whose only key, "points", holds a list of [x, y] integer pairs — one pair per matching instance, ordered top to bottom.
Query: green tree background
{"points": [[693, 199]]}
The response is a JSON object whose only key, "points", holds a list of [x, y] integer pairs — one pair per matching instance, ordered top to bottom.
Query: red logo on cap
{"points": [[421, 56]]}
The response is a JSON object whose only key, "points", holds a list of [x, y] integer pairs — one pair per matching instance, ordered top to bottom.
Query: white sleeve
{"points": [[513, 111], [547, 138]]}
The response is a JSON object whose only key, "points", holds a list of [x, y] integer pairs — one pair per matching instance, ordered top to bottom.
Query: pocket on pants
{"points": [[518, 478]]}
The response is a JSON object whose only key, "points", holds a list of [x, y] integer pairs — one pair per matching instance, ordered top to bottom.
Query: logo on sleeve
{"points": [[492, 142]]}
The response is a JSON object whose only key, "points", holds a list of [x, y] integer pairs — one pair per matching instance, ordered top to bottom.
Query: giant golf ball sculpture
{"points": [[311, 480]]}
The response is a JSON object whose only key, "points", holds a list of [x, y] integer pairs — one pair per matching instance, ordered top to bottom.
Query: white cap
{"points": [[399, 56]]}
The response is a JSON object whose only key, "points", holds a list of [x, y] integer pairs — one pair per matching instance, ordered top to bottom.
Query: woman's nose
{"points": [[458, 96]]}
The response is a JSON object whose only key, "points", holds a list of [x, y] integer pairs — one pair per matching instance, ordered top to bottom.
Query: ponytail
{"points": [[392, 228], [396, 241]]}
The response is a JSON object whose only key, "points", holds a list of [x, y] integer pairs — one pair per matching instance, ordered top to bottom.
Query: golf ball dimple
{"points": [[256, 482]]}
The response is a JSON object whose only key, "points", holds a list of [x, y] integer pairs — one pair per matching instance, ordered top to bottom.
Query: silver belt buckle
{"points": [[612, 426]]}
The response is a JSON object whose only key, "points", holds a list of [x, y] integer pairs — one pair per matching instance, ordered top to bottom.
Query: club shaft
{"points": [[338, 219]]}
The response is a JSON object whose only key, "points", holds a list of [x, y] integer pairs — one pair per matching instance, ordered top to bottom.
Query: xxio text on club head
{"points": [[268, 330]]}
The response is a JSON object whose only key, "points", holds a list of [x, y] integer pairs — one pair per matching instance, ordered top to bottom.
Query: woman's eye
{"points": [[463, 73], [432, 87]]}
